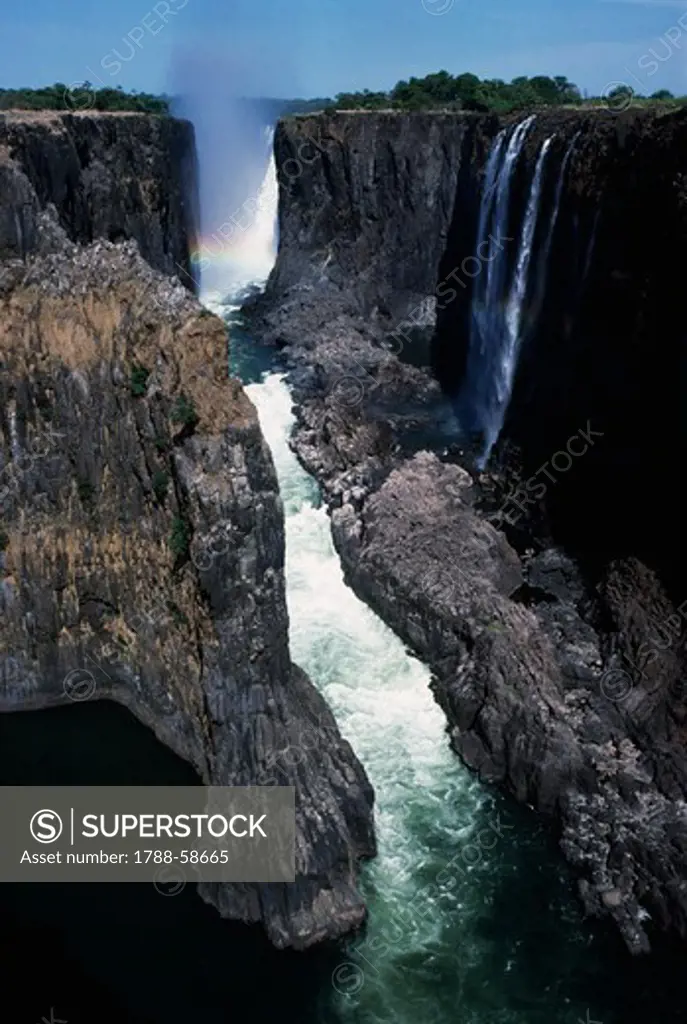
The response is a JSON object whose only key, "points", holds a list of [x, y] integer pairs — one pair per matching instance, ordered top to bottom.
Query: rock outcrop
{"points": [[112, 176], [350, 199], [605, 341], [142, 547], [545, 655]]}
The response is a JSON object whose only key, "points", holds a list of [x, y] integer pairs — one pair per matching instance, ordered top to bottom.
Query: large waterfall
{"points": [[241, 250], [503, 287], [505, 367]]}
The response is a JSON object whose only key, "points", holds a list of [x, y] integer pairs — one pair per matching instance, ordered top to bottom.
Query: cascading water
{"points": [[498, 226], [261, 240], [545, 250], [241, 251], [497, 304], [505, 369], [445, 941]]}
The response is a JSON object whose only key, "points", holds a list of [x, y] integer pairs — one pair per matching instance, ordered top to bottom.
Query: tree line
{"points": [[442, 90], [439, 91], [82, 97]]}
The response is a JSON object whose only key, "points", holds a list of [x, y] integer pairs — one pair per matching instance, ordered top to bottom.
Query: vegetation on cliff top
{"points": [[436, 91], [468, 92], [85, 96], [82, 97]]}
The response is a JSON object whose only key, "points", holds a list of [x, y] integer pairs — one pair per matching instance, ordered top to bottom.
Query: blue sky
{"points": [[320, 47]]}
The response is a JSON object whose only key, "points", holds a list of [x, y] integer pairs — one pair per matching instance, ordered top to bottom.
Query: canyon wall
{"points": [[111, 176], [351, 197], [604, 336], [141, 528], [541, 635]]}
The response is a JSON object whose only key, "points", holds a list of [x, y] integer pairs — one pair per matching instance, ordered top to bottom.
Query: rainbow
{"points": [[245, 251]]}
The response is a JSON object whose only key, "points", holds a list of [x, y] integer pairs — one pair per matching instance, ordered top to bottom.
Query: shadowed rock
{"points": [[142, 552], [544, 649]]}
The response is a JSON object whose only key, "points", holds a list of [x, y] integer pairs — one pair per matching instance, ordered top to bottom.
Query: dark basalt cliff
{"points": [[112, 176], [352, 199], [605, 339], [142, 540], [534, 635]]}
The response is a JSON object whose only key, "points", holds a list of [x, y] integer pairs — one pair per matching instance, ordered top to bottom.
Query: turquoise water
{"points": [[473, 914], [473, 917]]}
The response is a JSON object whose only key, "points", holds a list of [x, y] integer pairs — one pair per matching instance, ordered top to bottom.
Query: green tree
{"points": [[465, 87], [546, 89], [567, 91], [521, 94], [82, 97]]}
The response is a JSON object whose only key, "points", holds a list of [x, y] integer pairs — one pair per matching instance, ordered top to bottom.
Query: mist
{"points": [[220, 95]]}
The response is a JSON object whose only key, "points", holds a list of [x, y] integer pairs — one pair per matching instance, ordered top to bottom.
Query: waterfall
{"points": [[557, 202], [495, 219], [263, 234], [241, 252], [543, 261], [501, 290], [505, 369]]}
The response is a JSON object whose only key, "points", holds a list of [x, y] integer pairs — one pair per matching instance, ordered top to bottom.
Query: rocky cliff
{"points": [[112, 176], [351, 197], [605, 340], [141, 529], [533, 629]]}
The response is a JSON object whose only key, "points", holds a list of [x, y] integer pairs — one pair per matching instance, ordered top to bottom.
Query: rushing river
{"points": [[473, 916]]}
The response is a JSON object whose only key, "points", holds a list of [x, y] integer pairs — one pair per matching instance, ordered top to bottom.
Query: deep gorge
{"points": [[560, 604], [525, 628]]}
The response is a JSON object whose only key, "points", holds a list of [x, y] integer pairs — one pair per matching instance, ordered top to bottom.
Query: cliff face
{"points": [[111, 176], [353, 188], [605, 340], [142, 553], [534, 634]]}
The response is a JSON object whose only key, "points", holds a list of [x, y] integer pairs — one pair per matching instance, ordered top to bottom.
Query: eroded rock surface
{"points": [[113, 176], [142, 554], [556, 682]]}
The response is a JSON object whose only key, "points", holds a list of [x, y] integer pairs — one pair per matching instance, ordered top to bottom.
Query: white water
{"points": [[546, 249], [243, 253], [496, 266], [542, 270], [497, 309], [487, 314], [505, 369], [382, 702], [426, 801], [440, 947]]}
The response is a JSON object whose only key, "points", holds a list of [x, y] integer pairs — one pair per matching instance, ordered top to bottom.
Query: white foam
{"points": [[249, 252], [379, 693], [426, 801]]}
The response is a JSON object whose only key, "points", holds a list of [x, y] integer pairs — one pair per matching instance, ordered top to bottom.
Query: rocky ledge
{"points": [[113, 176], [142, 555], [557, 683]]}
